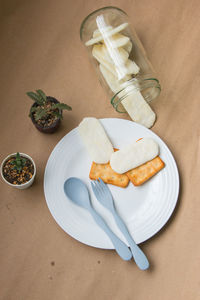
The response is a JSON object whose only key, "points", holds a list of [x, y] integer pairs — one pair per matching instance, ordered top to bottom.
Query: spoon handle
{"points": [[121, 248], [139, 256]]}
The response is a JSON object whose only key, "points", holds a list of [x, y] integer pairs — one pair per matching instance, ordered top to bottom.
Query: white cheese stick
{"points": [[97, 33], [106, 34], [118, 40], [128, 47], [102, 51], [119, 59], [108, 64], [131, 67], [111, 80], [138, 109], [95, 140], [134, 155]]}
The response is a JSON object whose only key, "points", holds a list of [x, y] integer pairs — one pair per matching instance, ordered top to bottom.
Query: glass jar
{"points": [[121, 62]]}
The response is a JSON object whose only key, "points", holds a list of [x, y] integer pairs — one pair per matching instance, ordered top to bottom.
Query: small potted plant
{"points": [[46, 111], [18, 170]]}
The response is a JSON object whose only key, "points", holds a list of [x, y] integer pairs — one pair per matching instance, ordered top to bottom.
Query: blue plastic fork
{"points": [[76, 190], [104, 196]]}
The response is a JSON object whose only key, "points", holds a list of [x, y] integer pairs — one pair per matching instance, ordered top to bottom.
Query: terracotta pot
{"points": [[49, 129]]}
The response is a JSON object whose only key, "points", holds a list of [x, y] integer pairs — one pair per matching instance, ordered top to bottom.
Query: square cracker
{"points": [[106, 173], [142, 173]]}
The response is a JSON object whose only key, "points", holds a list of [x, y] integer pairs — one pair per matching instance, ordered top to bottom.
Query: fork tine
{"points": [[101, 180], [102, 183], [92, 184], [104, 187], [97, 188], [100, 188], [94, 189], [102, 194]]}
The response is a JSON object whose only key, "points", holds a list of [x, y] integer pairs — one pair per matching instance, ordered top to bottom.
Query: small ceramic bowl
{"points": [[24, 185]]}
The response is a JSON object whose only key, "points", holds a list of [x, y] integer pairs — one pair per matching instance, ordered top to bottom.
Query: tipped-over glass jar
{"points": [[121, 63]]}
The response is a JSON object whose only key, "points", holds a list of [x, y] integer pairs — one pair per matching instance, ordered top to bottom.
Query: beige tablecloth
{"points": [[40, 48]]}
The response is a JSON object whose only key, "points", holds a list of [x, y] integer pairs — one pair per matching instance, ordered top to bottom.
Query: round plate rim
{"points": [[170, 212]]}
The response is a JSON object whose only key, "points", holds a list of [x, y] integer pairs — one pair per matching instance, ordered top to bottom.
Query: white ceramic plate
{"points": [[145, 209]]}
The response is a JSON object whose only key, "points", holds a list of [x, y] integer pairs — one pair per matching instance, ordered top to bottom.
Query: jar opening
{"points": [[149, 88]]}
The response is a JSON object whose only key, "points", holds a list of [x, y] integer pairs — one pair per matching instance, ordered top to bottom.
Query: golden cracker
{"points": [[144, 172], [106, 173]]}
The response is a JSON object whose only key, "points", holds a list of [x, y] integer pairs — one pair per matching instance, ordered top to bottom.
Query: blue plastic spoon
{"points": [[78, 193]]}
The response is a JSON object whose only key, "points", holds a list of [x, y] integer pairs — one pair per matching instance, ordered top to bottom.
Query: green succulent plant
{"points": [[42, 110], [18, 163]]}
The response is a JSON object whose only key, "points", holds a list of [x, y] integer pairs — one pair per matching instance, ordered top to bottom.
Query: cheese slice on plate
{"points": [[95, 140], [134, 155]]}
